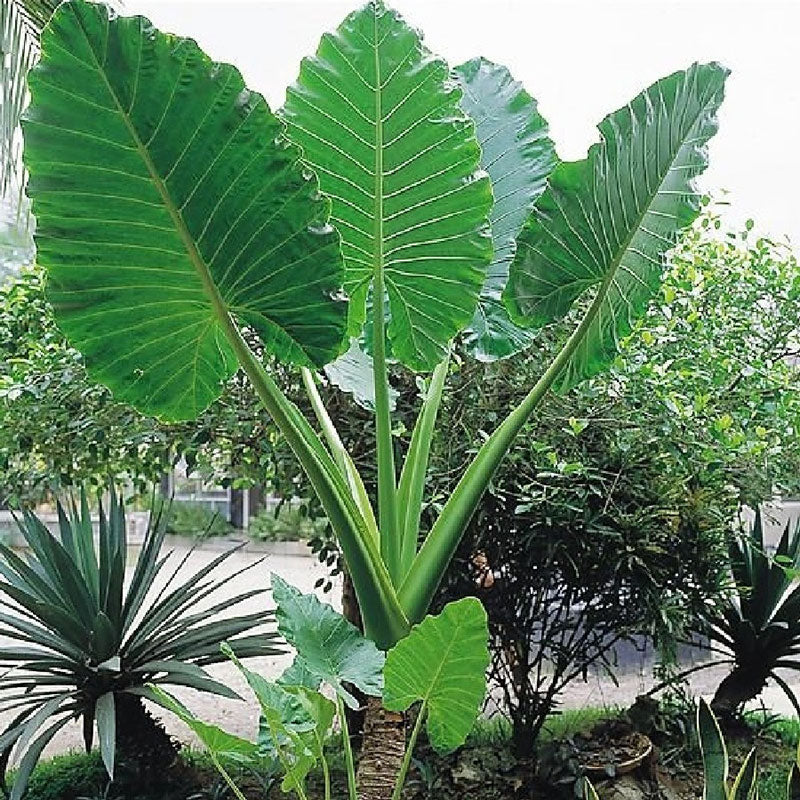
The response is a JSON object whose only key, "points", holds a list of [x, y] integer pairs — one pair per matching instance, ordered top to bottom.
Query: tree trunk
{"points": [[739, 686], [145, 751], [382, 752]]}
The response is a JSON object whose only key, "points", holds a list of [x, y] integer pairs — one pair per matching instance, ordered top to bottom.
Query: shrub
{"points": [[189, 518], [288, 522], [575, 554], [758, 623], [86, 641]]}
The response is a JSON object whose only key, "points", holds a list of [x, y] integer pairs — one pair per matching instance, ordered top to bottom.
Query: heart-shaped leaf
{"points": [[378, 118], [518, 155], [168, 199], [607, 223], [327, 645], [442, 663]]}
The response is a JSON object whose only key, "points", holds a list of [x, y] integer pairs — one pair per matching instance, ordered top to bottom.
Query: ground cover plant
{"points": [[210, 228], [85, 642]]}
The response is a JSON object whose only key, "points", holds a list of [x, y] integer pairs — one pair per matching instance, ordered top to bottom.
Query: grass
{"points": [[496, 730]]}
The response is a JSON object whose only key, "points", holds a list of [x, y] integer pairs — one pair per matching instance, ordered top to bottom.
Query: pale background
{"points": [[580, 58]]}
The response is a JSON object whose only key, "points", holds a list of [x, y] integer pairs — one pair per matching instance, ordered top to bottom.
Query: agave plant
{"points": [[174, 210], [757, 627], [85, 641]]}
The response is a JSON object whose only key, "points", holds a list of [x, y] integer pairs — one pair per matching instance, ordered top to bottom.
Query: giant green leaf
{"points": [[378, 117], [518, 155], [167, 199], [607, 223], [328, 646], [442, 663]]}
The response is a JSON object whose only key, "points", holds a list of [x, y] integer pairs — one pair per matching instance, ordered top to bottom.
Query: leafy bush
{"points": [[188, 518], [288, 522], [575, 553], [759, 622], [85, 641], [66, 777]]}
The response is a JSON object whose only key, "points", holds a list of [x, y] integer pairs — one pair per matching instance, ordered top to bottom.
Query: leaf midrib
{"points": [[637, 225], [622, 250], [217, 303]]}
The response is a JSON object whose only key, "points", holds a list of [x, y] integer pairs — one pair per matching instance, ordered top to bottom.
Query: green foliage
{"points": [[18, 50], [380, 120], [518, 156], [412, 214], [206, 225], [582, 234], [711, 361], [57, 429], [626, 487], [189, 518], [289, 522], [590, 534], [759, 622], [84, 638], [328, 646], [442, 664], [448, 677], [715, 763], [66, 777]]}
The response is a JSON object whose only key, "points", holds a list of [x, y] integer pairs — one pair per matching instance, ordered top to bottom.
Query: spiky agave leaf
{"points": [[81, 636]]}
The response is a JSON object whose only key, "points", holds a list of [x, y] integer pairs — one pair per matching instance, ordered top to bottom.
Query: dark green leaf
{"points": [[518, 155]]}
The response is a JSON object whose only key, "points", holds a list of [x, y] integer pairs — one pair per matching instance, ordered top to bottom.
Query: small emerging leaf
{"points": [[352, 372]]}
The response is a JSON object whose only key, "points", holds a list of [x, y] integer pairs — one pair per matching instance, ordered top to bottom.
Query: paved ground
{"points": [[302, 571]]}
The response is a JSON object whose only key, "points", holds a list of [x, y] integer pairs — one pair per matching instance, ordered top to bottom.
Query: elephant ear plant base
{"points": [[391, 205]]}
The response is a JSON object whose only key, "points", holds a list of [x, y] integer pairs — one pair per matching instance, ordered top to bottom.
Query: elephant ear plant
{"points": [[392, 202], [86, 636]]}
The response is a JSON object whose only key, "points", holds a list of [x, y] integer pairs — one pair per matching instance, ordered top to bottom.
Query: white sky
{"points": [[580, 58]]}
